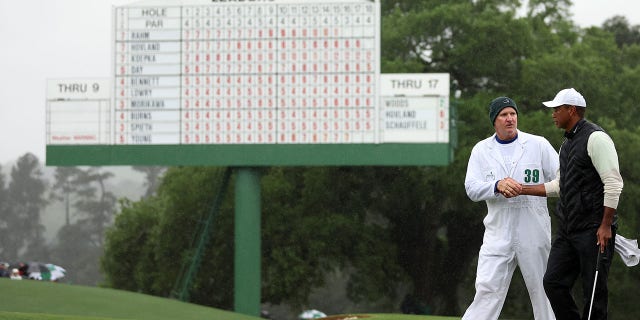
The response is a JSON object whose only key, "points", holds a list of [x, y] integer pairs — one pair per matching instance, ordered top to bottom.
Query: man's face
{"points": [[561, 116], [506, 124]]}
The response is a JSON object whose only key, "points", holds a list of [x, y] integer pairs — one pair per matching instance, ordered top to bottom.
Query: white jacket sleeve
{"points": [[604, 157], [550, 161], [551, 167], [478, 184]]}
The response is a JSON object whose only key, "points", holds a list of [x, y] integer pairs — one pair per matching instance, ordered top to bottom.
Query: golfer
{"points": [[589, 185], [517, 230]]}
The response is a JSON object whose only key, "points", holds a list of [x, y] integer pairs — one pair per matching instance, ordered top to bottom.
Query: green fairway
{"points": [[40, 297], [40, 300], [40, 316], [384, 316]]}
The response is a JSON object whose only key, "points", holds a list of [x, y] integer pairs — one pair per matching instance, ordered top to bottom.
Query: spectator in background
{"points": [[23, 269], [4, 272], [15, 274]]}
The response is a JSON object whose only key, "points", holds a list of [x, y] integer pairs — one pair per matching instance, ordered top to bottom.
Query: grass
{"points": [[40, 300], [37, 316], [387, 316]]}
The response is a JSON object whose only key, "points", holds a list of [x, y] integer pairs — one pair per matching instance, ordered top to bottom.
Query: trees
{"points": [[624, 33], [152, 176], [63, 188], [95, 204], [89, 208], [4, 216], [163, 228], [23, 236]]}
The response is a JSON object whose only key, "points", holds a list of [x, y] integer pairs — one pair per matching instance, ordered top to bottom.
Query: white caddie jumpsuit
{"points": [[517, 230]]}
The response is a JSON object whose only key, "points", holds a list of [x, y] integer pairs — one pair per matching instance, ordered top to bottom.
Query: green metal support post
{"points": [[247, 242]]}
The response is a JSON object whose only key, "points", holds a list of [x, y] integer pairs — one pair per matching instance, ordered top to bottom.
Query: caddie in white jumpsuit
{"points": [[518, 229]]}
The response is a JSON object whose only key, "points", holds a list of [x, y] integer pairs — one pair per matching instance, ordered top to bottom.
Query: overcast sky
{"points": [[58, 39]]}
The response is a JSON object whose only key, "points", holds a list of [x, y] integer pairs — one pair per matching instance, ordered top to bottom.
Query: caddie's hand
{"points": [[509, 187]]}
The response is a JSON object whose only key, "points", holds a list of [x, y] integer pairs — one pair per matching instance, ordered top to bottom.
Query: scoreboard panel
{"points": [[264, 72]]}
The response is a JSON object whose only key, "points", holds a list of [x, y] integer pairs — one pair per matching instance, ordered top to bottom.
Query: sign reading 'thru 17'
{"points": [[414, 108]]}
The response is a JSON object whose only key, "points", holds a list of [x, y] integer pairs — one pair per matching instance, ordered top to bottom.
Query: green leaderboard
{"points": [[248, 83], [250, 155]]}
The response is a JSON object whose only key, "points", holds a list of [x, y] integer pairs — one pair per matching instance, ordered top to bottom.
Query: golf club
{"points": [[595, 279]]}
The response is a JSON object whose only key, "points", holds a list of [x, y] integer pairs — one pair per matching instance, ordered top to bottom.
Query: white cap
{"points": [[567, 96]]}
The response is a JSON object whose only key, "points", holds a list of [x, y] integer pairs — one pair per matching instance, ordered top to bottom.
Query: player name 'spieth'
{"points": [[145, 127]]}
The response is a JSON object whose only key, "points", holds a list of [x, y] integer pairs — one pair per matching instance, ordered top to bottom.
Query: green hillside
{"points": [[40, 297], [40, 300]]}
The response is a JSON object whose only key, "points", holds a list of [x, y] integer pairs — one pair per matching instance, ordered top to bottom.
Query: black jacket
{"points": [[581, 204]]}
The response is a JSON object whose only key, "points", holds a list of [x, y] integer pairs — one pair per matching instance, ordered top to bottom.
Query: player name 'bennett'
{"points": [[145, 81]]}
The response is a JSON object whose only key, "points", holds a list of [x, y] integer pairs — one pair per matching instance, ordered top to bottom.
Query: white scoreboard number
{"points": [[247, 72]]}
